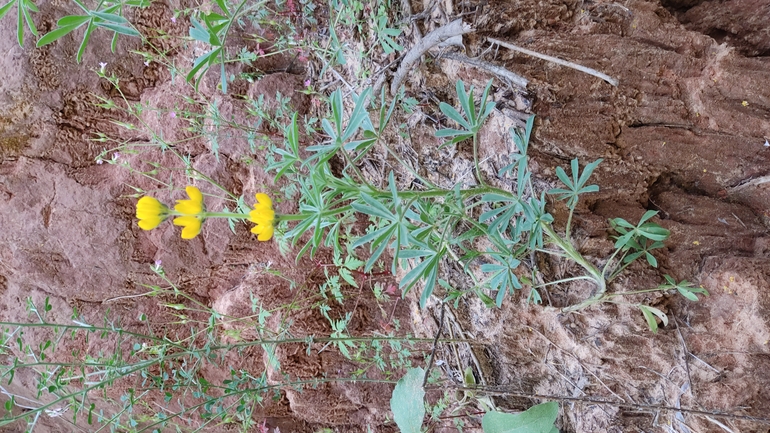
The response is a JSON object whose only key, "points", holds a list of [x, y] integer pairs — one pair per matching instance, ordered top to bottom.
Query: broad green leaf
{"points": [[223, 5], [27, 18], [407, 401], [537, 419]]}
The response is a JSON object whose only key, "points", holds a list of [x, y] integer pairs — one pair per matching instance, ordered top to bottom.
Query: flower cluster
{"points": [[191, 213]]}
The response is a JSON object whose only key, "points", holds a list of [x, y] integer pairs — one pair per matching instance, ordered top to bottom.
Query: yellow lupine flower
{"points": [[191, 210], [150, 212], [263, 216]]}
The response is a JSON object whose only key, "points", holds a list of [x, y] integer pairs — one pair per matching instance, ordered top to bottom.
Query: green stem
{"points": [[476, 159], [409, 168], [225, 215], [569, 223], [609, 263], [595, 274], [565, 280], [636, 292]]}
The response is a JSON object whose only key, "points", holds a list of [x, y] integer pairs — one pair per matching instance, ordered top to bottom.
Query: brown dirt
{"points": [[682, 134]]}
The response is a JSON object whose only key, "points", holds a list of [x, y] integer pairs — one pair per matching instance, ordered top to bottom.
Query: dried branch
{"points": [[441, 34], [580, 68], [501, 72]]}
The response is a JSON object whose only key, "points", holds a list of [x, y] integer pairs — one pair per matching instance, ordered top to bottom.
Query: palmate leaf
{"points": [[23, 9], [109, 19], [213, 33], [386, 35], [471, 119], [290, 153], [575, 185], [313, 204], [509, 207], [536, 217], [392, 228], [631, 236], [427, 260], [503, 278], [684, 287]]}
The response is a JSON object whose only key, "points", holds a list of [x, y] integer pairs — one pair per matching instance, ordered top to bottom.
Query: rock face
{"points": [[682, 134]]}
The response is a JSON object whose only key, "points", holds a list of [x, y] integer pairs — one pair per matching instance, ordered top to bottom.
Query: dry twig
{"points": [[441, 34], [580, 68], [501, 72]]}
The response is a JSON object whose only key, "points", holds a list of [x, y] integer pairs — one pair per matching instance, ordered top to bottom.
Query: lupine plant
{"points": [[422, 228]]}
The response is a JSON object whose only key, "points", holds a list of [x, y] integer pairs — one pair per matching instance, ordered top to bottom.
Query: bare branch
{"points": [[441, 34], [580, 68], [501, 72]]}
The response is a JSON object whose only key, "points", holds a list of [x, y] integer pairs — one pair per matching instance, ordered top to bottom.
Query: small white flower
{"points": [[147, 63], [102, 65], [767, 144]]}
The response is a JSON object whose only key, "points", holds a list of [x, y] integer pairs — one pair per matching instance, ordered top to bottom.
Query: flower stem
{"points": [[225, 215]]}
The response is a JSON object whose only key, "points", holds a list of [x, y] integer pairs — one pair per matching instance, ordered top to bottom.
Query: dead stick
{"points": [[455, 28], [580, 68], [518, 80], [753, 182], [435, 345]]}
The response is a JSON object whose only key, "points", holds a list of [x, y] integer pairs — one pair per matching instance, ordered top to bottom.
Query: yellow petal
{"points": [[194, 193], [263, 200], [194, 205], [188, 207], [150, 212], [258, 216], [263, 216], [150, 223], [191, 224], [258, 229], [191, 231], [263, 232], [266, 234]]}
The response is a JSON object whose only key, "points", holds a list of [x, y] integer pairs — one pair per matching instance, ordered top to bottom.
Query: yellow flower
{"points": [[150, 212], [191, 212], [263, 216]]}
